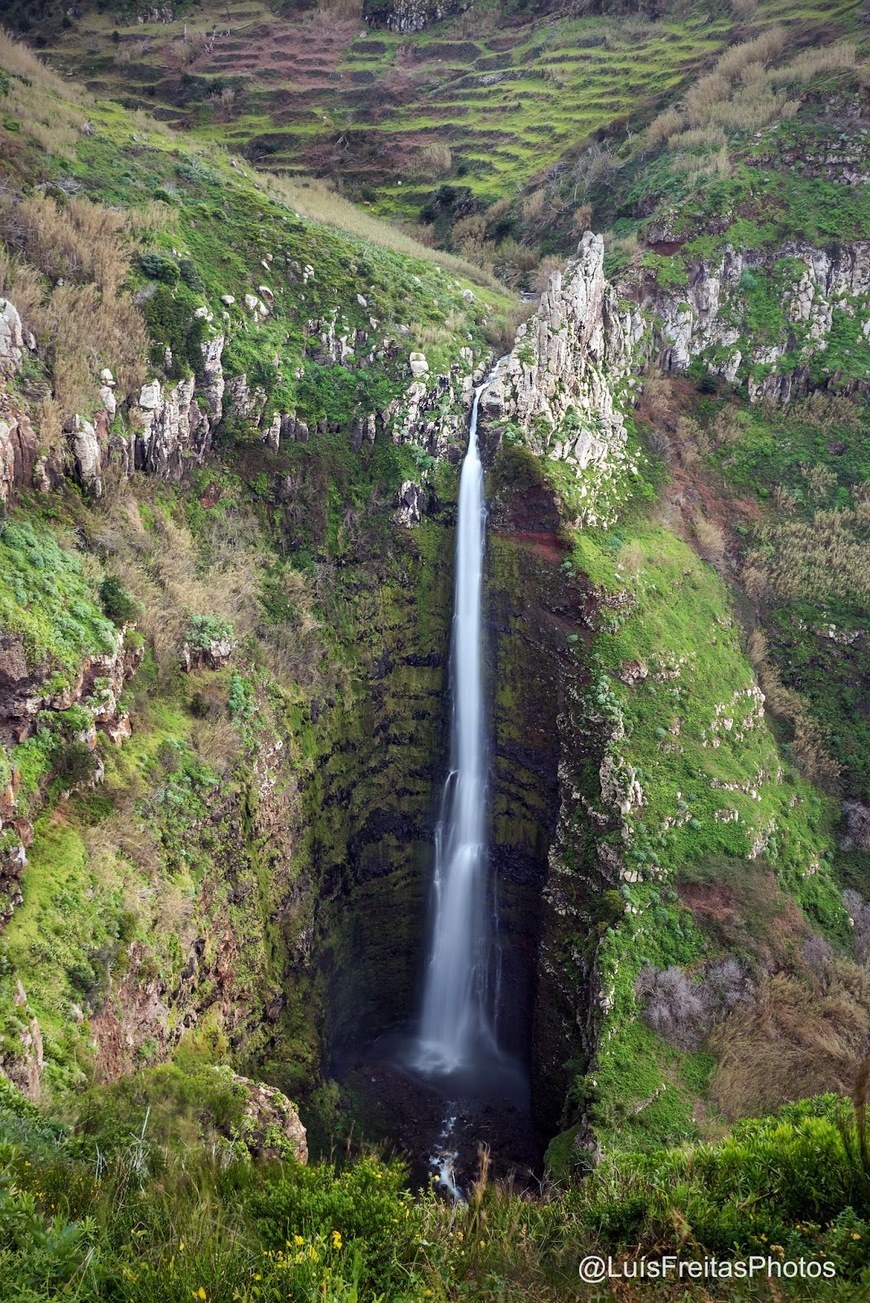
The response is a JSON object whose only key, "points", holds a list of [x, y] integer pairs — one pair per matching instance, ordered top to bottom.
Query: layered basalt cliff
{"points": [[783, 322], [567, 380]]}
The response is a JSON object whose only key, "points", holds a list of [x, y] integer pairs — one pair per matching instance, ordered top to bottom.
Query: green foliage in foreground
{"points": [[103, 1210]]}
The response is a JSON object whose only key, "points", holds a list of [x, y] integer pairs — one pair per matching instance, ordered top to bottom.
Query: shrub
{"points": [[159, 267], [117, 603], [203, 630], [74, 764], [683, 1008], [367, 1204]]}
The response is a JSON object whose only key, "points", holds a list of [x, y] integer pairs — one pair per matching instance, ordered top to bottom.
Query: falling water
{"points": [[457, 1029]]}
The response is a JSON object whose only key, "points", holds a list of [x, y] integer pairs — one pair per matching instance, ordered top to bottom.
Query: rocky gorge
{"points": [[228, 509]]}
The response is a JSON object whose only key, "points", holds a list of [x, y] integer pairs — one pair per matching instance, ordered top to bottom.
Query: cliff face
{"points": [[410, 15], [784, 322], [564, 383]]}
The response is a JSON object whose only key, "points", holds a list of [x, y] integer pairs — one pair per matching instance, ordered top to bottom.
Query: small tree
{"points": [[117, 603]]}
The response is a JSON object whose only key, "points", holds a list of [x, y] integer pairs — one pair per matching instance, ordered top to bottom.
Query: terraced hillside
{"points": [[480, 102]]}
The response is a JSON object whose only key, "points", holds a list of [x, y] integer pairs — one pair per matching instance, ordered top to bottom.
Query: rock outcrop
{"points": [[410, 15], [11, 337], [779, 344], [562, 381], [19, 449], [413, 501], [213, 654], [26, 690], [24, 1066], [270, 1127]]}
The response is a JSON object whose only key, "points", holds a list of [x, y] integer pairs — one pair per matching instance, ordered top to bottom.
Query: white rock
{"points": [[228, 299], [11, 336], [418, 364], [150, 396], [109, 400], [88, 456]]}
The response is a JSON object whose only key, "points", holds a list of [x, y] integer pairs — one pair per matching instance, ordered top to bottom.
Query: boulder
{"points": [[11, 337], [19, 447], [88, 457], [269, 1127]]}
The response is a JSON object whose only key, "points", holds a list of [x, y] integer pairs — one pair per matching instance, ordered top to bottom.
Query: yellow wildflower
{"points": [[298, 1239], [336, 1239]]}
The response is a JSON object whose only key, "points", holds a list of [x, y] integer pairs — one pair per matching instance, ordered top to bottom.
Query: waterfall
{"points": [[457, 1029]]}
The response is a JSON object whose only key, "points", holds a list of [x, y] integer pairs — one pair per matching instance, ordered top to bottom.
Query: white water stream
{"points": [[457, 1026]]}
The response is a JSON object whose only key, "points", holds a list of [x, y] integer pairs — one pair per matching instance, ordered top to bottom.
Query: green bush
{"points": [[159, 267], [117, 603], [203, 630], [74, 764], [367, 1204]]}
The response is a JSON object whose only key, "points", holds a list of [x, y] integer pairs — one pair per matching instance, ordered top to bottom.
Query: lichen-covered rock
{"points": [[708, 318], [561, 380], [247, 404], [174, 425], [88, 457], [412, 505], [212, 654], [25, 690], [22, 1059], [269, 1127]]}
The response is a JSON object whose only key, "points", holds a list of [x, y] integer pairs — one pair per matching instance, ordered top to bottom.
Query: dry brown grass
{"points": [[346, 10], [762, 49], [16, 57], [810, 63], [741, 93], [663, 127], [698, 137], [434, 160], [320, 202], [535, 205], [77, 241], [514, 260], [63, 266], [544, 271], [502, 332], [49, 426], [710, 539], [826, 557], [173, 576], [810, 741], [218, 743], [799, 1037]]}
